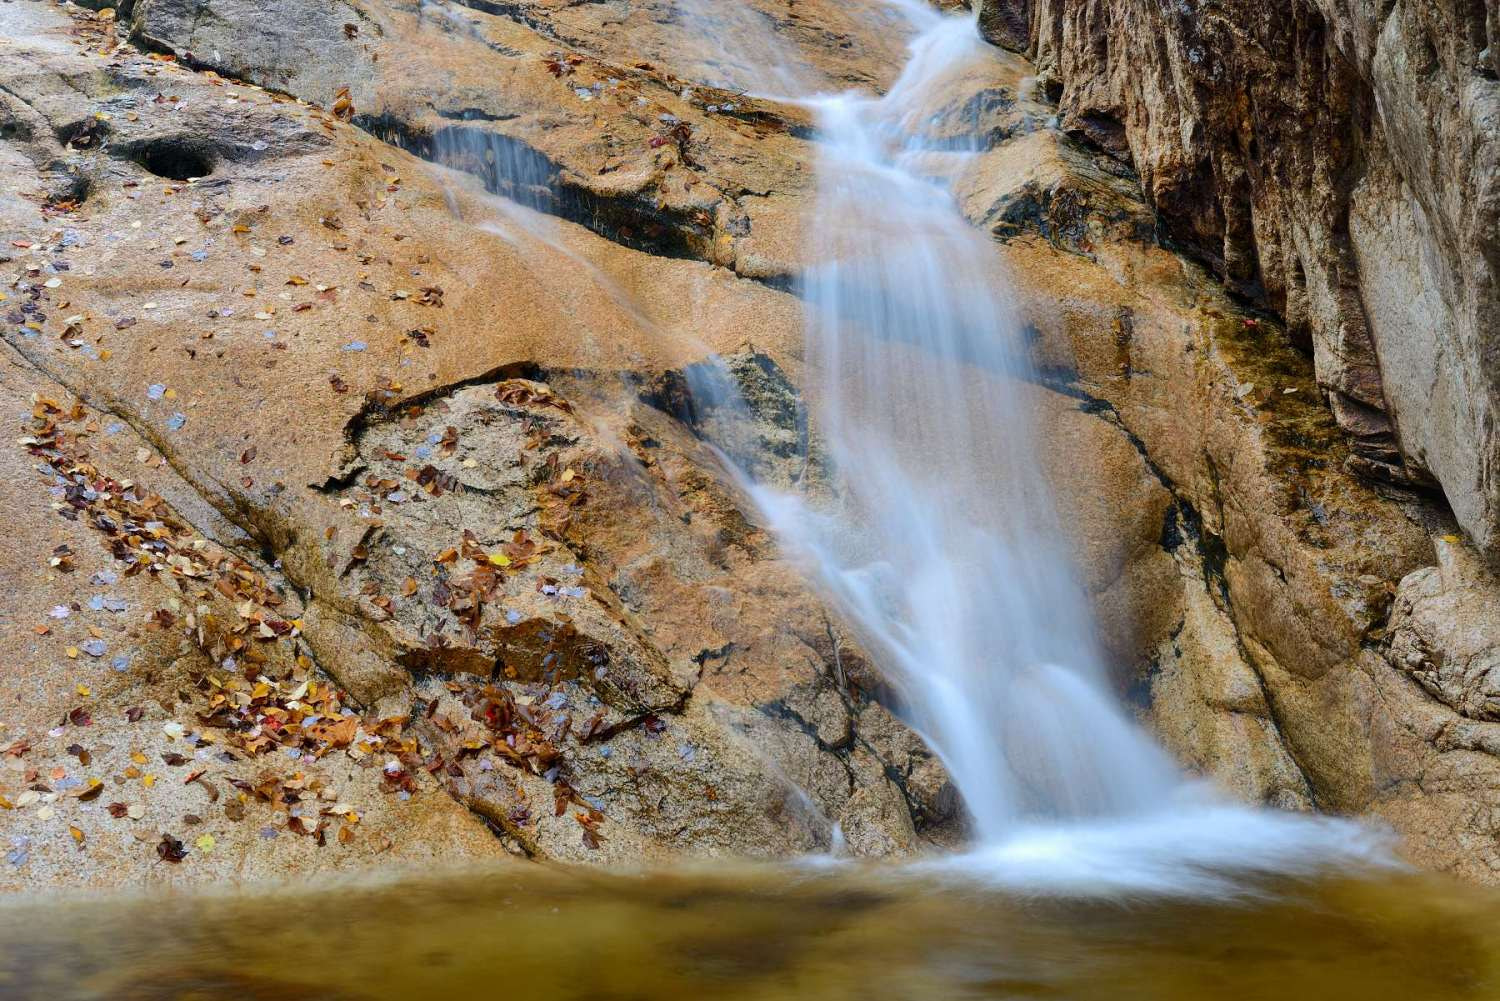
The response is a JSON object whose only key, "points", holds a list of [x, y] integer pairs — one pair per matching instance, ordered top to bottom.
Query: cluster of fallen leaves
{"points": [[96, 30], [560, 65], [523, 393], [562, 491], [140, 530], [143, 534], [467, 576], [465, 594], [247, 711], [306, 716], [529, 736], [13, 760], [308, 803]]}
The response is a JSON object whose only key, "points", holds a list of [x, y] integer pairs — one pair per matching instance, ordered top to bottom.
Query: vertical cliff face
{"points": [[1336, 160]]}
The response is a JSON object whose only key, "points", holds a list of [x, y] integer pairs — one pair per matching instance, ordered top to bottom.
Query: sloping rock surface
{"points": [[397, 500], [419, 549]]}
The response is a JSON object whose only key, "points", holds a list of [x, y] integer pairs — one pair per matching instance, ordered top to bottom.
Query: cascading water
{"points": [[937, 538], [941, 543], [943, 546]]}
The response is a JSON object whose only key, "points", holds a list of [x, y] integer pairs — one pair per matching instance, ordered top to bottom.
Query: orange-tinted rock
{"points": [[440, 454]]}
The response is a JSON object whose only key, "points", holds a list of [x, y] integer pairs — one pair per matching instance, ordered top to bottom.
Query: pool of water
{"points": [[754, 932]]}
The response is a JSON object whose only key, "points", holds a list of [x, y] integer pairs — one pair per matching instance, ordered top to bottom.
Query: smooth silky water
{"points": [[938, 539], [1096, 869]]}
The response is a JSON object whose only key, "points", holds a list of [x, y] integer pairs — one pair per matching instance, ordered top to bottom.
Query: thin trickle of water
{"points": [[741, 49]]}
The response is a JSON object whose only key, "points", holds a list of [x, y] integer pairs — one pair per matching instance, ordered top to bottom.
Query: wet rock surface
{"points": [[429, 485]]}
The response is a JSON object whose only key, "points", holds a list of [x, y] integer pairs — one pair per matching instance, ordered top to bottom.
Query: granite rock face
{"points": [[1336, 160], [402, 502], [353, 530]]}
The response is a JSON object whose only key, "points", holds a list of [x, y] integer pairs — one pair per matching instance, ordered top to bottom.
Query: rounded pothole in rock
{"points": [[12, 130], [175, 159], [70, 193]]}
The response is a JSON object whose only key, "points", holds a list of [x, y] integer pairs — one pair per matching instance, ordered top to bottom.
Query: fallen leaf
{"points": [[170, 849]]}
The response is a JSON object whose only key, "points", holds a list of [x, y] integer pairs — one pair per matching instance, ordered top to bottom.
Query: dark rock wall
{"points": [[1335, 160]]}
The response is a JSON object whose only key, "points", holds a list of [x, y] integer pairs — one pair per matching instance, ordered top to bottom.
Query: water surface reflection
{"points": [[752, 932]]}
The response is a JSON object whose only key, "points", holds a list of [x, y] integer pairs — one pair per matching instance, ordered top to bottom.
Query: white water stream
{"points": [[940, 543], [943, 548]]}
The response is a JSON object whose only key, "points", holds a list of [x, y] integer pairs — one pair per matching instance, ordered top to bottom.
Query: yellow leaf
{"points": [[500, 559], [83, 690], [149, 780], [77, 834], [206, 843]]}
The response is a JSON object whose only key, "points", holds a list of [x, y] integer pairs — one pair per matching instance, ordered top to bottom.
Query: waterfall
{"points": [[929, 523], [939, 541], [942, 547]]}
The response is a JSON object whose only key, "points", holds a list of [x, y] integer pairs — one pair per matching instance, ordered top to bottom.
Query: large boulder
{"points": [[393, 551]]}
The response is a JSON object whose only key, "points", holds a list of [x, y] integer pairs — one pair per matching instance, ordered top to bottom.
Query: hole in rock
{"points": [[86, 133], [176, 160], [70, 194]]}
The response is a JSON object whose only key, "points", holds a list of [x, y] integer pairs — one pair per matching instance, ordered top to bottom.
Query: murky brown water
{"points": [[527, 932]]}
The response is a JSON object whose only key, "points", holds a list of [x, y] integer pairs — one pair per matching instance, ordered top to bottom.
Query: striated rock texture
{"points": [[1336, 160]]}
